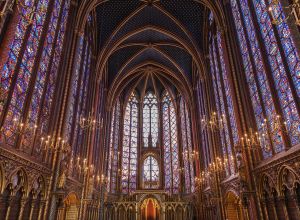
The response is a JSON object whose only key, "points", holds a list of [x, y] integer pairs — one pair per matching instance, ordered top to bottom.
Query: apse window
{"points": [[150, 173]]}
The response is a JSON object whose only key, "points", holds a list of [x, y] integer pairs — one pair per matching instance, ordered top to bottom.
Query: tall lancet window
{"points": [[30, 83], [150, 120], [170, 145], [187, 148], [129, 153], [114, 154], [150, 173]]}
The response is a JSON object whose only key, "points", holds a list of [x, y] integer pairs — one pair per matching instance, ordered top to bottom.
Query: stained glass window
{"points": [[8, 69], [47, 69], [279, 72], [256, 73], [42, 79], [74, 89], [259, 89], [19, 93], [219, 99], [82, 102], [150, 120], [204, 132], [170, 145], [187, 149], [114, 153], [129, 153], [150, 173]]}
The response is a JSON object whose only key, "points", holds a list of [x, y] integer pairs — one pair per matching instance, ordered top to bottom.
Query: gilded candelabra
{"points": [[292, 10], [89, 122], [213, 122]]}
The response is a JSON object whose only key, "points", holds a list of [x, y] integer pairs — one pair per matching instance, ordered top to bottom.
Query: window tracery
{"points": [[39, 54], [282, 61], [150, 120], [170, 145], [187, 148], [129, 152], [150, 173]]}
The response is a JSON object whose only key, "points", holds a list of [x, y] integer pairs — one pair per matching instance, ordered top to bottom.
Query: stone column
{"points": [[282, 202], [9, 203], [23, 203], [32, 206], [60, 206], [264, 206], [41, 209]]}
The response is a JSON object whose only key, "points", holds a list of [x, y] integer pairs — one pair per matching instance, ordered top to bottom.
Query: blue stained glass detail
{"points": [[279, 73]]}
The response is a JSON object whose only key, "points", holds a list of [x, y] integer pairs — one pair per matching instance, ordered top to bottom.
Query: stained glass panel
{"points": [[150, 120], [170, 146], [129, 153], [150, 173]]}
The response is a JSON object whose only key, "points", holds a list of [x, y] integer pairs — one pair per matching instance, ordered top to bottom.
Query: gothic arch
{"points": [[121, 81], [287, 177], [18, 179], [266, 185], [38, 186], [72, 203], [233, 206]]}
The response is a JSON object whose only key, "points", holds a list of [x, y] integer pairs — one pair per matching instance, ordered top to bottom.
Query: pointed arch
{"points": [[150, 120], [170, 145], [129, 151]]}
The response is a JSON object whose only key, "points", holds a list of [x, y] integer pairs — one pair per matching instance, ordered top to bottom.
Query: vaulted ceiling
{"points": [[135, 36]]}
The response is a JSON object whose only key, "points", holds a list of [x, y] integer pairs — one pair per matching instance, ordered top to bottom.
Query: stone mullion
{"points": [[68, 53], [236, 63], [49, 68], [268, 68], [287, 70], [16, 71], [34, 71], [255, 77], [239, 80], [91, 92], [221, 96], [234, 97], [243, 100], [240, 101], [85, 103], [82, 109], [60, 113], [207, 113], [246, 114], [98, 116], [194, 118], [199, 128], [100, 130], [204, 131], [113, 132], [88, 136], [216, 138], [140, 141], [104, 142], [186, 142], [161, 144], [180, 145], [120, 146], [179, 150], [107, 156], [216, 184]]}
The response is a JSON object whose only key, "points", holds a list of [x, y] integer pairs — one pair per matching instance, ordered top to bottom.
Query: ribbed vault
{"points": [[135, 36]]}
